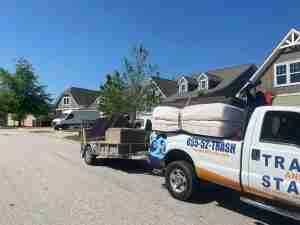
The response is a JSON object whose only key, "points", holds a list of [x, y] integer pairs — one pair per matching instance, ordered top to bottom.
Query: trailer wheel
{"points": [[89, 158], [181, 180]]}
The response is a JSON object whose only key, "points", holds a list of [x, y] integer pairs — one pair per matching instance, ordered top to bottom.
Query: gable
{"points": [[291, 39], [286, 52], [202, 76], [237, 77], [80, 97], [84, 97], [60, 103]]}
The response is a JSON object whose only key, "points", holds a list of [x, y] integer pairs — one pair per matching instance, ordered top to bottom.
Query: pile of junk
{"points": [[221, 113]]}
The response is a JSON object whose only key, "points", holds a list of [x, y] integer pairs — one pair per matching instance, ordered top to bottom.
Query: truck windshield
{"points": [[63, 115]]}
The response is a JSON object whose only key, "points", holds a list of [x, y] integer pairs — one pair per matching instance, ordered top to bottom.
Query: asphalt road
{"points": [[43, 181]]}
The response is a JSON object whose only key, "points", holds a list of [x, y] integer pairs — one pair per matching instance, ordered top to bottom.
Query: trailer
{"points": [[114, 143]]}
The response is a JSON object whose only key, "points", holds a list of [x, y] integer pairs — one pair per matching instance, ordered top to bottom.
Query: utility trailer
{"points": [[113, 143]]}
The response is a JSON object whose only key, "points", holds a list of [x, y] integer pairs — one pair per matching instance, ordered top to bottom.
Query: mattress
{"points": [[212, 112], [165, 119], [216, 119], [165, 126], [225, 129]]}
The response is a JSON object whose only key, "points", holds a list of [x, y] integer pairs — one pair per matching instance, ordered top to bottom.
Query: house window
{"points": [[295, 72], [281, 74], [287, 74], [203, 82], [183, 87], [67, 100]]}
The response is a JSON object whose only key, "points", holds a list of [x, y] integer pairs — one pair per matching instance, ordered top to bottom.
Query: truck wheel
{"points": [[65, 127], [89, 158], [181, 180]]}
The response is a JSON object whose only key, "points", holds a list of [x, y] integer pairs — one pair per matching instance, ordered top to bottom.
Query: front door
{"points": [[274, 167]]}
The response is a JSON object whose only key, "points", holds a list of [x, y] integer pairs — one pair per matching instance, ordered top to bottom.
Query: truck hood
{"points": [[57, 120]]}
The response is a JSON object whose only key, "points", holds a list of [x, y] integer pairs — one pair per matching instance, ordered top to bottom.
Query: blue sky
{"points": [[76, 43]]}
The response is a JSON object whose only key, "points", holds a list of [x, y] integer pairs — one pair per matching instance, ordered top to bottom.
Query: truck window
{"points": [[71, 116], [281, 127]]}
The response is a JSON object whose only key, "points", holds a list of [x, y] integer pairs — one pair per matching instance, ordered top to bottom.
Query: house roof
{"points": [[291, 39], [229, 73], [223, 74], [213, 77], [233, 79], [191, 80], [168, 87], [82, 96]]}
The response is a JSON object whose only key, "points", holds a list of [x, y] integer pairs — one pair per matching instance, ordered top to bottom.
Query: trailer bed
{"points": [[104, 149]]}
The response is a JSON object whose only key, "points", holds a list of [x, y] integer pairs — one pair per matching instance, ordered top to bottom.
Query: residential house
{"points": [[280, 72], [200, 82], [212, 85], [162, 88], [77, 99]]}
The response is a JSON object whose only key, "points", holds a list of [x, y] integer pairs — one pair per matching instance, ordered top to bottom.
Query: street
{"points": [[44, 181]]}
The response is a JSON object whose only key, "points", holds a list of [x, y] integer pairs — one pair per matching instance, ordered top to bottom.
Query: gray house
{"points": [[280, 72], [212, 85], [163, 87], [77, 99]]}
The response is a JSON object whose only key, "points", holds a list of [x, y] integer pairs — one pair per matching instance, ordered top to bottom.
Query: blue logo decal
{"points": [[158, 146]]}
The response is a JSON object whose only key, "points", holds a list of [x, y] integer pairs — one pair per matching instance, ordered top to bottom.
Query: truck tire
{"points": [[65, 127], [89, 158], [181, 180]]}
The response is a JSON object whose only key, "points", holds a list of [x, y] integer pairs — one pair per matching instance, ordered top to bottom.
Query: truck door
{"points": [[70, 119], [274, 166]]}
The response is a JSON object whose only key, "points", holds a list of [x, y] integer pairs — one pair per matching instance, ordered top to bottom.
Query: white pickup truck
{"points": [[264, 165]]}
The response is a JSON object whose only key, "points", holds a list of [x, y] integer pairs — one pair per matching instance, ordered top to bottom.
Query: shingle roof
{"points": [[231, 72], [233, 79], [191, 80], [168, 87], [84, 97]]}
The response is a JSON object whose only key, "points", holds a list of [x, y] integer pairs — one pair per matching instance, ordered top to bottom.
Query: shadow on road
{"points": [[125, 165], [224, 198], [230, 200]]}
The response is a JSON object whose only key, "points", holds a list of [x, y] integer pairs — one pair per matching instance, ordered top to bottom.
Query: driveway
{"points": [[43, 181]]}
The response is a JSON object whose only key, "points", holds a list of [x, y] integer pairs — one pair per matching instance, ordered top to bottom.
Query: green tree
{"points": [[137, 75], [132, 91], [22, 92], [112, 95]]}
